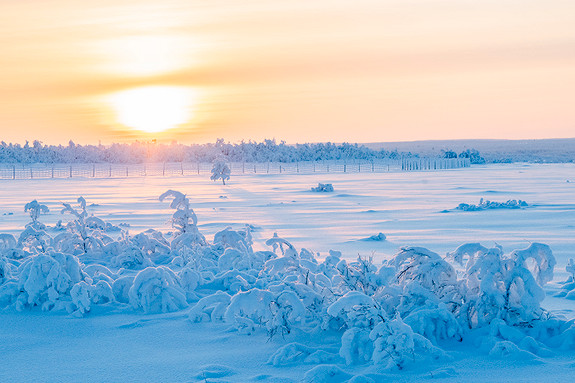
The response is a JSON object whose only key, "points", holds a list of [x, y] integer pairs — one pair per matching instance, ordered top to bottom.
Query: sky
{"points": [[300, 71]]}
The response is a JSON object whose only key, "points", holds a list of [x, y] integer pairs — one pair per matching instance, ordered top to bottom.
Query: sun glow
{"points": [[154, 108]]}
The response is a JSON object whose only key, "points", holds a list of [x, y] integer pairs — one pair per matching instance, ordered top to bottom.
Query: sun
{"points": [[153, 109]]}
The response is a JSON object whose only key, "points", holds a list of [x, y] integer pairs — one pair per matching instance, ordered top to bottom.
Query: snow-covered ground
{"points": [[410, 209]]}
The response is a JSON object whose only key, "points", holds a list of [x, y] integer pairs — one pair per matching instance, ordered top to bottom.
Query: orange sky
{"points": [[300, 71]]}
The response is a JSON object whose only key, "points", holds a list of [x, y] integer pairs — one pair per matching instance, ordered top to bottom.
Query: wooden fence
{"points": [[100, 170]]}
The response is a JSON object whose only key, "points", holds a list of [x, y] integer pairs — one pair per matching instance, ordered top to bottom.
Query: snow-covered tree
{"points": [[220, 171]]}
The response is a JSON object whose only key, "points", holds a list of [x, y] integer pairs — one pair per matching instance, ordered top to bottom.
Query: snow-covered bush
{"points": [[220, 171], [322, 188], [486, 205], [35, 209], [184, 220], [377, 237], [9, 247], [46, 279], [501, 286], [568, 286], [157, 289], [211, 307], [256, 308], [393, 343]]}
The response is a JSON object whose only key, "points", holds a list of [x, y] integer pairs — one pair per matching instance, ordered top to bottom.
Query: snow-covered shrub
{"points": [[220, 171], [322, 188], [486, 205], [35, 209], [184, 220], [81, 237], [377, 237], [240, 239], [32, 240], [9, 247], [286, 248], [467, 249], [542, 256], [131, 258], [417, 264], [361, 275], [47, 278], [189, 279], [502, 286], [568, 286], [121, 288], [157, 289], [102, 292], [85, 295], [81, 298], [211, 307], [256, 308], [356, 309], [249, 310], [434, 323], [393, 343], [356, 346], [397, 346]]}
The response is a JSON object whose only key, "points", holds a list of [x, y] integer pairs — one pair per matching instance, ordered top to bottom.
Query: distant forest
{"points": [[140, 152]]}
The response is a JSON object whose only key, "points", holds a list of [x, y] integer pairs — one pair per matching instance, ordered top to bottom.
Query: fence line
{"points": [[43, 171]]}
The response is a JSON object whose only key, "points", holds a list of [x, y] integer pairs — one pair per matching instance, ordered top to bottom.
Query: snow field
{"points": [[389, 313]]}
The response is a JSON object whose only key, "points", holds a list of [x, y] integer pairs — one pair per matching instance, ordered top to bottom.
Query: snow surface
{"points": [[411, 209]]}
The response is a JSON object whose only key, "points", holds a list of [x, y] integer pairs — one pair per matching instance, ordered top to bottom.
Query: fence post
{"points": [[297, 166], [182, 167], [243, 167], [268, 167], [314, 167], [198, 168], [164, 169], [93, 170], [52, 171], [70, 171], [145, 171], [110, 173], [31, 174], [127, 174]]}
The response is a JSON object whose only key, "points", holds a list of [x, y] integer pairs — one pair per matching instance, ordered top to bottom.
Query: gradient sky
{"points": [[300, 71]]}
